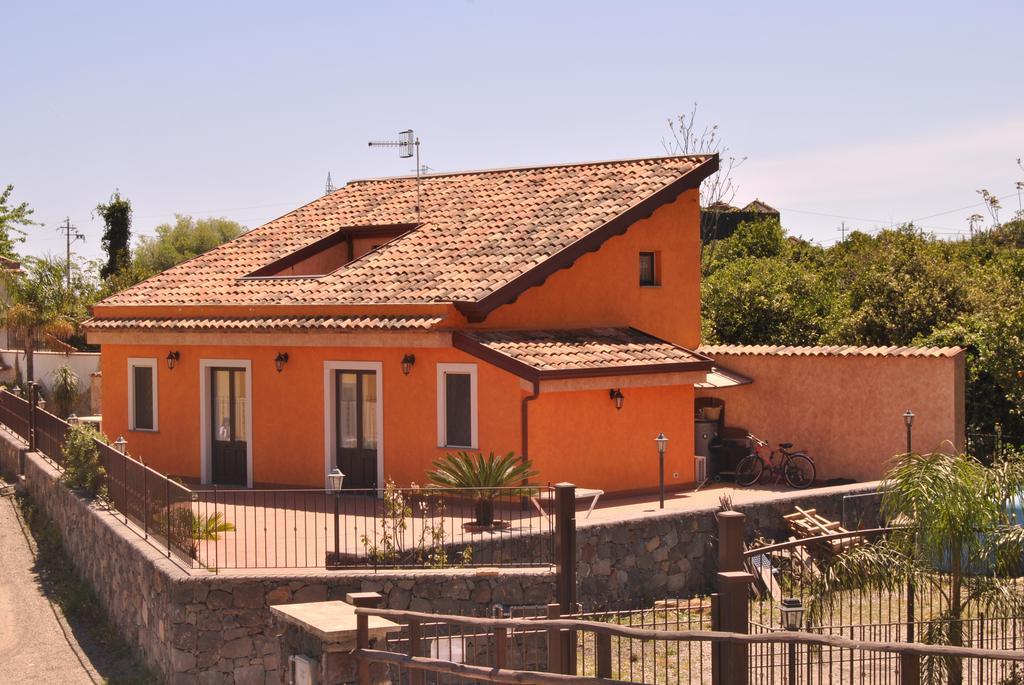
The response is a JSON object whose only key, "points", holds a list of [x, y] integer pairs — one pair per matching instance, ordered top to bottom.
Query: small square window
{"points": [[648, 268]]}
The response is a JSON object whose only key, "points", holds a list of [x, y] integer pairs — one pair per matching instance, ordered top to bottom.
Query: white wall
{"points": [[82, 363]]}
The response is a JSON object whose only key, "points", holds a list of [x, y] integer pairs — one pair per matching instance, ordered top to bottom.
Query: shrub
{"points": [[64, 390], [82, 470], [483, 478]]}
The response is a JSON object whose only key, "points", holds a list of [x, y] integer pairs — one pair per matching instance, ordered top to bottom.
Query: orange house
{"points": [[550, 311]]}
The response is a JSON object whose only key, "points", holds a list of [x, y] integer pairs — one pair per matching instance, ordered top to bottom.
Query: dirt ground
{"points": [[38, 644]]}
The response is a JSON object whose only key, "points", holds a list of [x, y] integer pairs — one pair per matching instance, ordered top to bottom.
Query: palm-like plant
{"points": [[39, 304], [64, 390], [483, 478], [956, 537]]}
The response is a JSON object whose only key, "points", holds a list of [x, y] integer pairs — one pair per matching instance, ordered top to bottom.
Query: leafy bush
{"points": [[64, 390], [82, 470], [189, 529]]}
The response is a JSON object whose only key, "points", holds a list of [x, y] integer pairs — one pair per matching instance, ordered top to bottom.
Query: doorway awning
{"points": [[721, 377]]}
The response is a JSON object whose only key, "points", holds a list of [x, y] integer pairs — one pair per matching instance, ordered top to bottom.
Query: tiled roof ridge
{"points": [[533, 167], [283, 321], [831, 350]]}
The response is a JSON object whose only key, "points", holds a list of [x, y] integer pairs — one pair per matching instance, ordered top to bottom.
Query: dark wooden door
{"points": [[229, 408], [356, 427]]}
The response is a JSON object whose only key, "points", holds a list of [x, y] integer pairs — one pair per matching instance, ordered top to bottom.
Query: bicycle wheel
{"points": [[749, 470], [799, 470]]}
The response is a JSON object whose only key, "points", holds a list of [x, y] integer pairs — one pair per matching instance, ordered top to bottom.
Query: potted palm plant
{"points": [[483, 478]]}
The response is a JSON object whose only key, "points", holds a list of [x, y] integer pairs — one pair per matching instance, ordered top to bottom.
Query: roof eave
{"points": [[477, 311], [463, 342]]}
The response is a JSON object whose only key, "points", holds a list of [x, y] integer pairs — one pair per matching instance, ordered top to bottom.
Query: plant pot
{"points": [[484, 512]]}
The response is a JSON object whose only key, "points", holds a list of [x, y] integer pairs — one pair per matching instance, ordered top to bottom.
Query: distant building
{"points": [[719, 220]]}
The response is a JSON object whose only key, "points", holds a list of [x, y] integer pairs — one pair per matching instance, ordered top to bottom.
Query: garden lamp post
{"points": [[908, 419], [662, 442], [335, 479], [792, 617]]}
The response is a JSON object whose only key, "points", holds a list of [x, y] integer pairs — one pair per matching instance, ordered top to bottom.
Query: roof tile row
{"points": [[829, 351]]}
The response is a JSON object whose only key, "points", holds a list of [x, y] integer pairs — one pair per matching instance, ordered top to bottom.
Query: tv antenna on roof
{"points": [[408, 146], [329, 187]]}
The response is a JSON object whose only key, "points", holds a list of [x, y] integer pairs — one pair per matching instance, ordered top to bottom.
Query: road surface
{"points": [[36, 644]]}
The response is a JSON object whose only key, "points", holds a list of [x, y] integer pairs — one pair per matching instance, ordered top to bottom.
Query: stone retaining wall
{"points": [[674, 554], [216, 629]]}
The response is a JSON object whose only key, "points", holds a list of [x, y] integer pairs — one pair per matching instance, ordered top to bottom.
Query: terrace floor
{"points": [[294, 529]]}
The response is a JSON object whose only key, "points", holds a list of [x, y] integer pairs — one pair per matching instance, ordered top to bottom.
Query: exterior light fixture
{"points": [[172, 359], [280, 360], [407, 362], [617, 396], [41, 403], [72, 419], [908, 420], [662, 442], [121, 445], [335, 478], [334, 481], [792, 610], [792, 613]]}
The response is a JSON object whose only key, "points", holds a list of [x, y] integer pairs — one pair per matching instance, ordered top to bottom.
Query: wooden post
{"points": [[731, 526], [565, 555], [733, 598], [368, 600], [554, 642], [716, 647], [500, 648], [415, 649], [604, 654], [910, 669]]}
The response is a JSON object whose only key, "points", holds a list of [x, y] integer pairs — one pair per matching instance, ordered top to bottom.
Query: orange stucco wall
{"points": [[602, 287], [288, 409], [847, 411], [581, 437]]}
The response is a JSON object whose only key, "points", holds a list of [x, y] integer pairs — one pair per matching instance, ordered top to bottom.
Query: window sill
{"points": [[650, 285], [143, 430], [457, 447]]}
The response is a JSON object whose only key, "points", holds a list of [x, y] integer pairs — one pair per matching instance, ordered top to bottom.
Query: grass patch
{"points": [[106, 649]]}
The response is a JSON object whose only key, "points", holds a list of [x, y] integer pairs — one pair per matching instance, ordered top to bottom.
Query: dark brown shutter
{"points": [[142, 377], [458, 410]]}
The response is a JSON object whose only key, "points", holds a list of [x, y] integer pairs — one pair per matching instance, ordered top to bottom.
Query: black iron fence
{"points": [[986, 446], [423, 527], [386, 528]]}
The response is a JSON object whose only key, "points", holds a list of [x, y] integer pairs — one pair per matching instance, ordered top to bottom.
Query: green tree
{"points": [[11, 218], [117, 233], [182, 240], [899, 286], [764, 301], [39, 304], [957, 539]]}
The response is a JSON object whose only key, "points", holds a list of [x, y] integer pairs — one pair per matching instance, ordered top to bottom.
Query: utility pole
{"points": [[842, 232], [71, 234]]}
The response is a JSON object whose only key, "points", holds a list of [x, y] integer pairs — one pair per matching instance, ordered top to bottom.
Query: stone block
{"points": [[311, 593], [279, 595], [249, 596], [219, 599], [184, 637], [240, 647], [182, 661], [252, 674]]}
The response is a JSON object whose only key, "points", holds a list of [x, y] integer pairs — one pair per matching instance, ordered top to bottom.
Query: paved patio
{"points": [[280, 529]]}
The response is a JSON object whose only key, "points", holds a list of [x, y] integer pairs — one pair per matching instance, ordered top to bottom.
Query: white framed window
{"points": [[142, 395], [457, 406]]}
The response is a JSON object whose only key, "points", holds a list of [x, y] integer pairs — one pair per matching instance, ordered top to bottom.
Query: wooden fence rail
{"points": [[910, 654]]}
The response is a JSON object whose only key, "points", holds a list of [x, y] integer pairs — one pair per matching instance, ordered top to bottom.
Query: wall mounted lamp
{"points": [[172, 359], [280, 360], [407, 362], [617, 396]]}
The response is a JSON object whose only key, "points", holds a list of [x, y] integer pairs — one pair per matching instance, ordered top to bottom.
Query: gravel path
{"points": [[36, 643]]}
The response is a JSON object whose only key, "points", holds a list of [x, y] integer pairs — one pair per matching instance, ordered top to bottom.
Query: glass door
{"points": [[229, 407], [356, 427]]}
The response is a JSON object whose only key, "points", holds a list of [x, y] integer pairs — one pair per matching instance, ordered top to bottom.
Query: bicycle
{"points": [[796, 467]]}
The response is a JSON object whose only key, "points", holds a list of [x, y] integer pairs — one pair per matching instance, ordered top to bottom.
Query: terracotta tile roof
{"points": [[479, 231], [304, 323], [829, 351], [578, 352]]}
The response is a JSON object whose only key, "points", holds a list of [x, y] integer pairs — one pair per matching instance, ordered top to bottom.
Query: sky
{"points": [[866, 113]]}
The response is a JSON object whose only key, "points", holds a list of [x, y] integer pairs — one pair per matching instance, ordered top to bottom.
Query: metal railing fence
{"points": [[426, 527], [217, 528]]}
